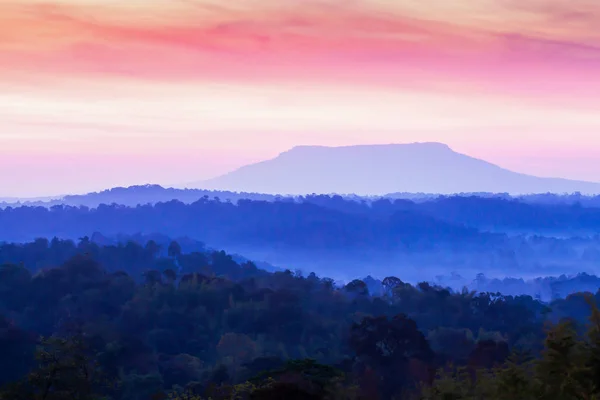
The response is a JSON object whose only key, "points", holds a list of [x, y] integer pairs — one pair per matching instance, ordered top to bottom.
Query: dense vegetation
{"points": [[151, 194], [136, 195], [532, 214], [290, 223], [460, 233], [544, 288], [143, 322]]}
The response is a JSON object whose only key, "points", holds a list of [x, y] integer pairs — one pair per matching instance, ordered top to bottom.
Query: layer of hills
{"points": [[382, 169], [418, 171], [136, 195], [133, 196], [533, 214], [346, 234], [345, 238], [131, 314]]}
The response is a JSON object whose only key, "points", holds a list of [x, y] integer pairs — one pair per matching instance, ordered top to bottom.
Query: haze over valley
{"points": [[483, 219]]}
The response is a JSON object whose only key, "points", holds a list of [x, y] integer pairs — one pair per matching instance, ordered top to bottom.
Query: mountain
{"points": [[384, 169], [133, 196]]}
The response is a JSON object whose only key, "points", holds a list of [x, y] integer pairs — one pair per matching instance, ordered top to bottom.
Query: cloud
{"points": [[575, 13], [362, 41]]}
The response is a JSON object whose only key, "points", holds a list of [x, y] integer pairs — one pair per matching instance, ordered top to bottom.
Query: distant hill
{"points": [[383, 169], [419, 172], [153, 194], [135, 195], [343, 238]]}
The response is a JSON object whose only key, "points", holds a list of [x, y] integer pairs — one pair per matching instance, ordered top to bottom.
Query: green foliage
{"points": [[202, 326], [566, 370], [63, 371]]}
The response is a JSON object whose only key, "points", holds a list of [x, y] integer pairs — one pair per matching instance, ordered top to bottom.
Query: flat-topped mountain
{"points": [[383, 169]]}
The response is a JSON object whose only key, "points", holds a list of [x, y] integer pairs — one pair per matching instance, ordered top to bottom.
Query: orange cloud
{"points": [[378, 41]]}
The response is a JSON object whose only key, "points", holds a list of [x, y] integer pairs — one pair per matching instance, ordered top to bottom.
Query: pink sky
{"points": [[97, 93]]}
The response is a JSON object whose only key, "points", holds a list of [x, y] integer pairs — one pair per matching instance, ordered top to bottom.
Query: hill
{"points": [[382, 169], [133, 196], [344, 238]]}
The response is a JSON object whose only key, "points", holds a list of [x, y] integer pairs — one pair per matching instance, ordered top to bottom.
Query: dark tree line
{"points": [[279, 223], [332, 223], [128, 322]]}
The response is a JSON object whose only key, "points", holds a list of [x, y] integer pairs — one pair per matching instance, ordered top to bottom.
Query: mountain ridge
{"points": [[379, 169]]}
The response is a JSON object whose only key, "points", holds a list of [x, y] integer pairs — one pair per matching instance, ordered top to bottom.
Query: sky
{"points": [[102, 93]]}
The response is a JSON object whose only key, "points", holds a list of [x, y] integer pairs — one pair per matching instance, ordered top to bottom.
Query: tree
{"points": [[152, 248], [174, 250], [170, 275], [152, 277], [390, 283], [357, 287], [389, 345], [592, 346], [237, 347], [16, 350], [488, 353], [64, 371], [561, 371], [306, 379], [514, 379], [283, 390]]}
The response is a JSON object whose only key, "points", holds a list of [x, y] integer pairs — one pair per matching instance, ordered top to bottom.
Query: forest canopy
{"points": [[133, 321]]}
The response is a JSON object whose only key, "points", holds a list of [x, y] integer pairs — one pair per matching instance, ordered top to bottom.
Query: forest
{"points": [[133, 196], [459, 216], [337, 237], [132, 321]]}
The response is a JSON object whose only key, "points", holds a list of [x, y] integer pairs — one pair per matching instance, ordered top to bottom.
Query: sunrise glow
{"points": [[179, 90]]}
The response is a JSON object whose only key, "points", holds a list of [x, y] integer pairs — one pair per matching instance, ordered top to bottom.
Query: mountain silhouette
{"points": [[385, 169], [133, 196]]}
